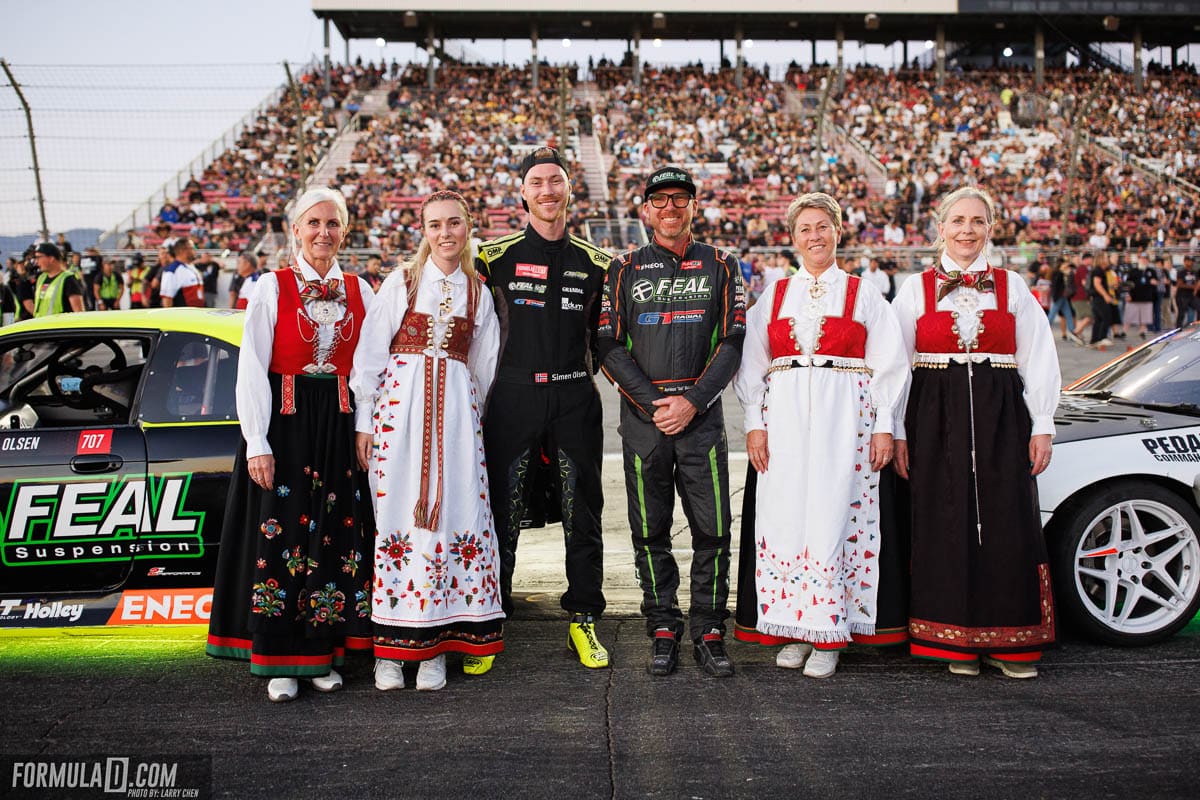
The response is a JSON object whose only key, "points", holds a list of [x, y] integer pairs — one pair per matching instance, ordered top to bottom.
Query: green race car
{"points": [[118, 432]]}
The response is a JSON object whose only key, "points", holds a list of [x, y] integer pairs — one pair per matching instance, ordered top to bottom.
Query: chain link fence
{"points": [[110, 139]]}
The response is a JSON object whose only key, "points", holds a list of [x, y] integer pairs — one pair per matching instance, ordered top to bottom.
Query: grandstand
{"points": [[1072, 152]]}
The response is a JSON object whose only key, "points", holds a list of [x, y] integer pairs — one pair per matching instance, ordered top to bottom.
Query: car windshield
{"points": [[1165, 372], [68, 380]]}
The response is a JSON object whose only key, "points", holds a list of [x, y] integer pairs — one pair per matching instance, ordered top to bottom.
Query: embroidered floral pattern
{"points": [[282, 490], [271, 528], [397, 548], [465, 549], [296, 561], [350, 563], [268, 598], [324, 605]]}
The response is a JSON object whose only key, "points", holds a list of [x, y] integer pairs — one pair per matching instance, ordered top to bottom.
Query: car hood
{"points": [[1080, 417]]}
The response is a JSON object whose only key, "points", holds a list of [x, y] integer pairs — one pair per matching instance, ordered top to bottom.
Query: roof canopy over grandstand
{"points": [[1160, 23]]}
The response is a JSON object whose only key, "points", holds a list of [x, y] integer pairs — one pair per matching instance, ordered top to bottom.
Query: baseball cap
{"points": [[542, 155], [669, 178], [48, 249]]}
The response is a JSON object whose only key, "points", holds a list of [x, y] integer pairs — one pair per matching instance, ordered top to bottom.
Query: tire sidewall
{"points": [[1071, 530]]}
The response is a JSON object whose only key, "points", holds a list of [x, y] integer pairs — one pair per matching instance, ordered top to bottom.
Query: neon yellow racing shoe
{"points": [[581, 639], [477, 665]]}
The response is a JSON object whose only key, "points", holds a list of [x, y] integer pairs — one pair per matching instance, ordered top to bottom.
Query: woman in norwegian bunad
{"points": [[823, 370], [421, 377], [976, 433], [293, 575]]}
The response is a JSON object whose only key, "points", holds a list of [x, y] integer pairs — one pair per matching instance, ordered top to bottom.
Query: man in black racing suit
{"points": [[671, 331], [543, 421]]}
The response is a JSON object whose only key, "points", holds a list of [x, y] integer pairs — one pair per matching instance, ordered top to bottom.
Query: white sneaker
{"points": [[792, 656], [821, 664], [965, 667], [432, 674], [388, 675], [328, 683], [281, 690]]}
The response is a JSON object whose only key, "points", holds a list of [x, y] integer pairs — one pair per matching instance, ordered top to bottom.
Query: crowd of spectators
{"points": [[1155, 124], [469, 135], [931, 139], [752, 148], [750, 152], [242, 193]]}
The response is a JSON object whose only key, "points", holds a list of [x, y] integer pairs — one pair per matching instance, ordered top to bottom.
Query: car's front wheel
{"points": [[1128, 563]]}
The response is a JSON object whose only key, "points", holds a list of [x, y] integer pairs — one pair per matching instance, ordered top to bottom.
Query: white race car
{"points": [[1121, 499]]}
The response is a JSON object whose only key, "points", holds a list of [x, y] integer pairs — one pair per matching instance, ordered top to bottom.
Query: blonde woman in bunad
{"points": [[823, 371], [421, 378], [977, 431], [293, 576]]}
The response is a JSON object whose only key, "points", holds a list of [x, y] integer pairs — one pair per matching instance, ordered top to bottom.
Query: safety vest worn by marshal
{"points": [[110, 286], [48, 295]]}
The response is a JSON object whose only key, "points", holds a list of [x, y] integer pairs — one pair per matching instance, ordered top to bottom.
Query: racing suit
{"points": [[672, 325], [542, 431]]}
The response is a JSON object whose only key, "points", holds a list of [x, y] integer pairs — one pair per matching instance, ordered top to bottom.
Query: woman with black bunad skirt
{"points": [[421, 377], [977, 432], [293, 580]]}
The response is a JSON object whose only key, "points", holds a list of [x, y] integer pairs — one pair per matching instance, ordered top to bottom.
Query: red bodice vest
{"points": [[416, 330], [937, 331], [296, 333], [837, 336]]}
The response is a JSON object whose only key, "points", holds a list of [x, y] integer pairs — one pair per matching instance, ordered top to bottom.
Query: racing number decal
{"points": [[98, 442]]}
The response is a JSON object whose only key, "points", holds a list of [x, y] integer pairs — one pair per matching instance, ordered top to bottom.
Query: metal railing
{"points": [[1137, 162], [874, 169], [173, 187], [915, 259]]}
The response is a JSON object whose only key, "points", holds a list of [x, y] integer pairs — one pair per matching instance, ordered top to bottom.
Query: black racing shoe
{"points": [[710, 653], [665, 656]]}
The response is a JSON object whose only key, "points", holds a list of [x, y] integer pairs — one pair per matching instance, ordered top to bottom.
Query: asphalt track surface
{"points": [[1099, 723]]}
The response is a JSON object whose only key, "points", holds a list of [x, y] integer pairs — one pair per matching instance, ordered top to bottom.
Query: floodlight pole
{"points": [[533, 40], [637, 55], [940, 55], [1039, 57], [841, 58], [739, 66], [430, 68], [1138, 76], [328, 85], [1077, 134], [300, 143], [37, 171]]}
